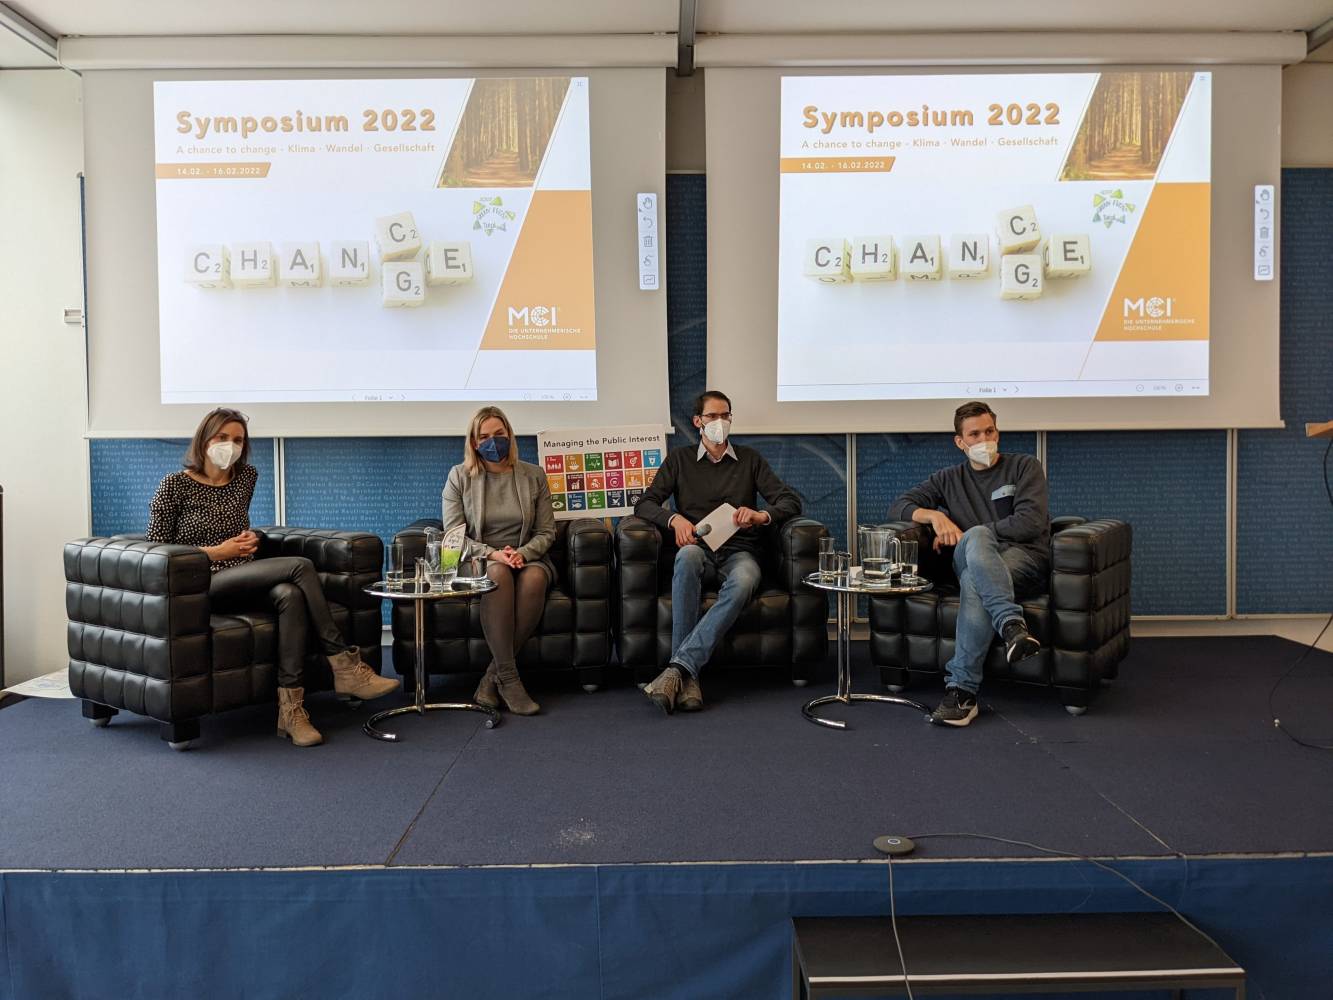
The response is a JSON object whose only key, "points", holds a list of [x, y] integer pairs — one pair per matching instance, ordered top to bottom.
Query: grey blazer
{"points": [[464, 502]]}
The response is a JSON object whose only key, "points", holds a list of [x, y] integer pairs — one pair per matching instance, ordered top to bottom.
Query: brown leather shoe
{"points": [[353, 678], [663, 690], [512, 692], [487, 694], [691, 697], [294, 721]]}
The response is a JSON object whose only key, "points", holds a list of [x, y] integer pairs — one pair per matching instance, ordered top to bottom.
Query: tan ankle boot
{"points": [[354, 678], [512, 692], [487, 694], [294, 721]]}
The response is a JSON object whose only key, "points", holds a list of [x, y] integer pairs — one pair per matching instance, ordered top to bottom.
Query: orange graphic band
{"points": [[836, 164], [200, 171], [1162, 291], [546, 298]]}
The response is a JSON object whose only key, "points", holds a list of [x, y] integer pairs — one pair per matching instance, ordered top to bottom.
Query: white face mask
{"points": [[716, 431], [223, 453], [983, 453]]}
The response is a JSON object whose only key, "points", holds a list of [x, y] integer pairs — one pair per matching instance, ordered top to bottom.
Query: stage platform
{"points": [[604, 850]]}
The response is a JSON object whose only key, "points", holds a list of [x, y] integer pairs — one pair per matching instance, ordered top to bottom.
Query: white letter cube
{"points": [[1017, 229], [397, 236], [969, 255], [1068, 255], [874, 258], [920, 259], [827, 260], [349, 262], [448, 263], [208, 265], [252, 265], [299, 266], [1020, 276], [403, 283]]}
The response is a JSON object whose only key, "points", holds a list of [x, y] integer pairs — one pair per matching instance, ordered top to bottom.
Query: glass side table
{"points": [[419, 592]]}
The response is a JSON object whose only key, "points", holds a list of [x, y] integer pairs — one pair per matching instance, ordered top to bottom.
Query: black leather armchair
{"points": [[1081, 619], [786, 623], [575, 630], [144, 637]]}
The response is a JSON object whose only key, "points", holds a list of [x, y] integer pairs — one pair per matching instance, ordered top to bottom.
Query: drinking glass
{"points": [[907, 550], [473, 564], [828, 564], [393, 566], [842, 566], [436, 575]]}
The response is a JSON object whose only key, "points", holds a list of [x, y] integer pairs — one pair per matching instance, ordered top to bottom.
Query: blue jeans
{"points": [[988, 579], [693, 638]]}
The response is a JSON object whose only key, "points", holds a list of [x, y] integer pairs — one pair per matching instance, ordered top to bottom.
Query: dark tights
{"points": [[288, 585], [510, 612]]}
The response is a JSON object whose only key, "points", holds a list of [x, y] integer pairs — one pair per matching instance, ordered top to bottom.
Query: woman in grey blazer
{"points": [[506, 506]]}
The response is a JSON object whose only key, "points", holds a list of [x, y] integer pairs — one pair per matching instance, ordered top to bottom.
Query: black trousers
{"points": [[288, 585]]}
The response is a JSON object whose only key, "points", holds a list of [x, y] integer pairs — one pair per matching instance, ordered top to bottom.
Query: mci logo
{"points": [[1152, 308], [532, 316]]}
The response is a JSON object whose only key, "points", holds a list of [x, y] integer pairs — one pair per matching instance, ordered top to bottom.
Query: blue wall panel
{"points": [[125, 472], [1171, 486], [1284, 529]]}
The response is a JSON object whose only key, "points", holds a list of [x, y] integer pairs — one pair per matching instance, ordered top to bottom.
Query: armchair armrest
{"points": [[413, 538], [798, 542], [638, 549], [588, 551], [347, 561], [1090, 564], [142, 609]]}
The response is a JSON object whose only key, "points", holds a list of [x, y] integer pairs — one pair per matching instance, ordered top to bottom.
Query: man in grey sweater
{"points": [[701, 478], [992, 510]]}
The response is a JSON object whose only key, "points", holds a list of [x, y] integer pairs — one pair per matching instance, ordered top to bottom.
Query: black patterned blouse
{"points": [[187, 512]]}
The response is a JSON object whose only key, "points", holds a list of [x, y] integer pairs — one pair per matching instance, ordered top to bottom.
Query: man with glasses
{"points": [[701, 478], [991, 509]]}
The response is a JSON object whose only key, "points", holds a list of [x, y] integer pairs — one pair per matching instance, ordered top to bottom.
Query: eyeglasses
{"points": [[710, 417]]}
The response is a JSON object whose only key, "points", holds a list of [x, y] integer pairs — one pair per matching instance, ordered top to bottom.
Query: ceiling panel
{"points": [[353, 17], [768, 17]]}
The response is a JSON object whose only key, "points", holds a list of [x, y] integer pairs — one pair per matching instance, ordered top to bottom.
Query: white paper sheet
{"points": [[723, 527]]}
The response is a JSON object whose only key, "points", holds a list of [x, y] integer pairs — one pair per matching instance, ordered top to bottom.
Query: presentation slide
{"points": [[1017, 235], [387, 240]]}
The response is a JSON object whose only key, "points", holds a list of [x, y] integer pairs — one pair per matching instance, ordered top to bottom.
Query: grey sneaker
{"points": [[664, 689], [691, 697], [957, 708]]}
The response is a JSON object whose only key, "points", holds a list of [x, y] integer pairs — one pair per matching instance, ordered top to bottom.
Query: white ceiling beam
{"points": [[38, 38], [1002, 49], [366, 52]]}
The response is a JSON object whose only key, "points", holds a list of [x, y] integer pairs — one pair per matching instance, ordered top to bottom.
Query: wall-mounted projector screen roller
{"points": [[1042, 239], [366, 256]]}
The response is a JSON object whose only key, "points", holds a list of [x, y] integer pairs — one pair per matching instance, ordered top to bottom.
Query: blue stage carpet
{"points": [[1179, 757]]}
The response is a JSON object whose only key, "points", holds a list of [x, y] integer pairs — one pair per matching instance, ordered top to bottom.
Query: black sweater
{"points": [[700, 486], [1010, 497]]}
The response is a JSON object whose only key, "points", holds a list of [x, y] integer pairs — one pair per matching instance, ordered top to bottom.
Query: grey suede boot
{"points": [[512, 691], [487, 694]]}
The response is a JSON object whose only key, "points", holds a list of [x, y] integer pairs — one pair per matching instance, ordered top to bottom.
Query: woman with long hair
{"points": [[207, 504], [506, 507]]}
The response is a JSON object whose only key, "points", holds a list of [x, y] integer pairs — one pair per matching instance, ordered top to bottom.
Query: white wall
{"points": [[1307, 115], [43, 454]]}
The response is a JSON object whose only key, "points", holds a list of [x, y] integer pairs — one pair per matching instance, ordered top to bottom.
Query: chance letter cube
{"points": [[1017, 229], [397, 236], [969, 255], [1068, 256], [874, 258], [920, 258], [827, 260], [349, 263], [448, 263], [208, 265], [252, 265], [298, 265], [1020, 276], [404, 283]]}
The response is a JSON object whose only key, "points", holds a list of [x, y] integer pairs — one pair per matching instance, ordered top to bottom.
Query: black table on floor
{"points": [[1023, 953]]}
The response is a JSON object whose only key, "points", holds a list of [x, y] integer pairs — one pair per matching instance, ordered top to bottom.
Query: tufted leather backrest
{"points": [[138, 632]]}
